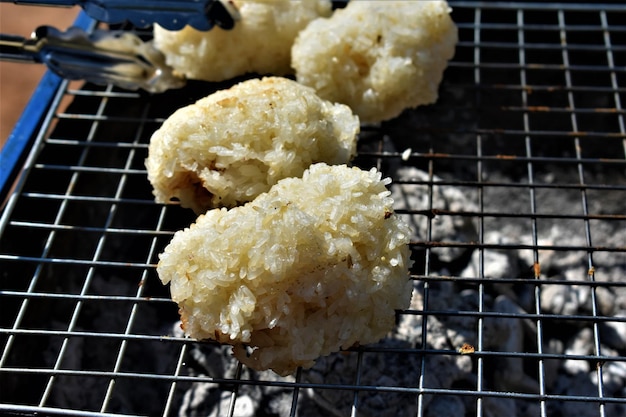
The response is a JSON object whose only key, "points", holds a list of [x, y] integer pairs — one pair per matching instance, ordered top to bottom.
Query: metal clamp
{"points": [[171, 14], [116, 57]]}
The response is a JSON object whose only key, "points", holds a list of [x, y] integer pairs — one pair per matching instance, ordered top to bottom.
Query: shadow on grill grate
{"points": [[514, 182]]}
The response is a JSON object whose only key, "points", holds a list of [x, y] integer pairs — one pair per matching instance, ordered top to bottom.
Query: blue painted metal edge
{"points": [[21, 139]]}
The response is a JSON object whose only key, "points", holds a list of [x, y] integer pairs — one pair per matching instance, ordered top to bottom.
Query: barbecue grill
{"points": [[515, 184]]}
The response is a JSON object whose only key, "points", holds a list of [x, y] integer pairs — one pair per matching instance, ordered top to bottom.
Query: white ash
{"points": [[413, 192], [496, 263], [613, 333], [377, 369], [214, 399]]}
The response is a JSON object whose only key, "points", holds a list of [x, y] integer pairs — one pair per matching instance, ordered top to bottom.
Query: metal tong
{"points": [[171, 14], [121, 58]]}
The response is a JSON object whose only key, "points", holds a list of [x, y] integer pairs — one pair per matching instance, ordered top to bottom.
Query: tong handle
{"points": [[171, 14], [15, 48], [103, 57]]}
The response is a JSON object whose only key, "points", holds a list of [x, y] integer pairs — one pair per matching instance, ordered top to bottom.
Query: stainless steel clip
{"points": [[171, 14], [116, 57]]}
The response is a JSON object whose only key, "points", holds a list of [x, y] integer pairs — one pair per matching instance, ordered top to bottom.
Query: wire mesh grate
{"points": [[514, 181]]}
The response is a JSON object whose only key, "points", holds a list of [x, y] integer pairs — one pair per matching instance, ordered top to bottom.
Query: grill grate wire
{"points": [[529, 127]]}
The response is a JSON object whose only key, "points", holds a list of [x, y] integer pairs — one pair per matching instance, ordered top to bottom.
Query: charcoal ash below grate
{"points": [[500, 261], [447, 333], [444, 369]]}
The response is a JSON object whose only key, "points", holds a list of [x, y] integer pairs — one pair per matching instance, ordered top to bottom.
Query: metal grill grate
{"points": [[515, 182]]}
